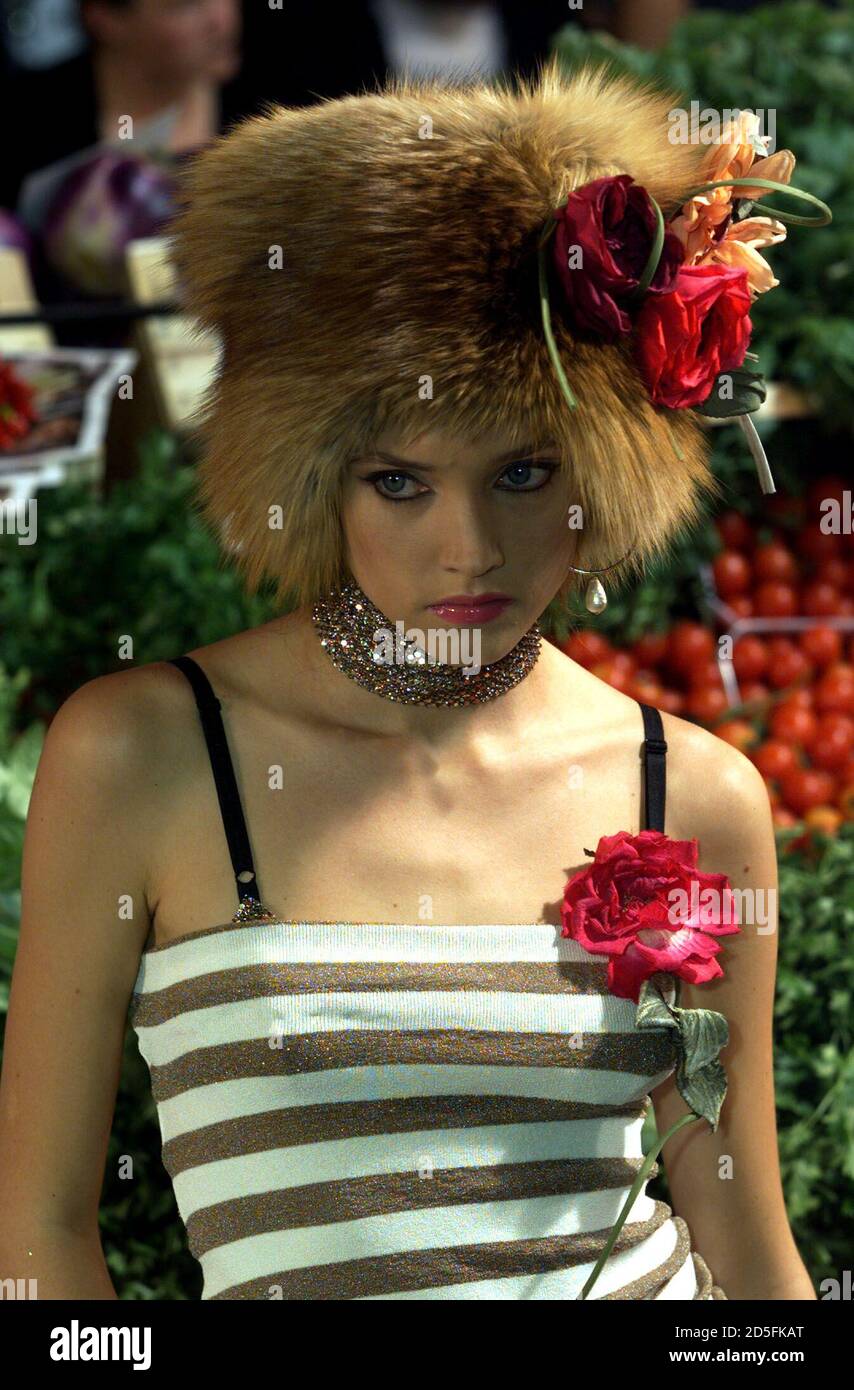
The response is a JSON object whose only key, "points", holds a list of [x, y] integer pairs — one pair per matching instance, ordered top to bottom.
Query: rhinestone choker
{"points": [[346, 622]]}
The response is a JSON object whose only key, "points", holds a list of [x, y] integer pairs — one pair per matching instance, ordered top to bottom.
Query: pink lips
{"points": [[470, 611]]}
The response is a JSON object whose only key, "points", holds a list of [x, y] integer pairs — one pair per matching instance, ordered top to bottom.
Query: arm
{"points": [[74, 972], [738, 1222]]}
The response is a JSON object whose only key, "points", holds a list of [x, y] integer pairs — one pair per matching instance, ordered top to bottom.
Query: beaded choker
{"points": [[351, 631]]}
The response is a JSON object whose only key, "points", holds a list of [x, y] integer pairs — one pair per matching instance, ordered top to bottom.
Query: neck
{"points": [[127, 88], [336, 698]]}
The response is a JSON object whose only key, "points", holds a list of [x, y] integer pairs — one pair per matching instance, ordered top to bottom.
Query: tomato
{"points": [[734, 531], [817, 545], [775, 561], [834, 572], [731, 573], [775, 600], [819, 600], [742, 606], [846, 607], [821, 644], [690, 645], [586, 647], [650, 650], [749, 658], [624, 661], [786, 663], [613, 673], [704, 674], [646, 688], [835, 689], [753, 690], [800, 696], [671, 701], [706, 703], [792, 724], [738, 733], [830, 745], [775, 757], [806, 787], [845, 801], [783, 817], [825, 818]]}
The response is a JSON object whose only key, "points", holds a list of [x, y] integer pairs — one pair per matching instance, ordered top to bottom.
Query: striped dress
{"points": [[360, 1110]]}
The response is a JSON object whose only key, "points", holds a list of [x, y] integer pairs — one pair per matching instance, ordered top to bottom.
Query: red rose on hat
{"points": [[613, 223], [690, 334], [626, 905]]}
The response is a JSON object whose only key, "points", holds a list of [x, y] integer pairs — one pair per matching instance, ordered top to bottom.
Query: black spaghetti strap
{"points": [[654, 751], [223, 771]]}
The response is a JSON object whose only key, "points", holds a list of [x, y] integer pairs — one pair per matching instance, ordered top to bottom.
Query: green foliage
{"points": [[793, 59], [139, 563]]}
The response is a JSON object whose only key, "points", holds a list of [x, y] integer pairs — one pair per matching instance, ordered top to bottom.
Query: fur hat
{"points": [[371, 261]]}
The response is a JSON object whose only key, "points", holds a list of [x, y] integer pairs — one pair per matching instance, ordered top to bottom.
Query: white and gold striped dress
{"points": [[355, 1110]]}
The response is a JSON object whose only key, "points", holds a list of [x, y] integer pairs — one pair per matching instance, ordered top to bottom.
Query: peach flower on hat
{"points": [[700, 221], [737, 249]]}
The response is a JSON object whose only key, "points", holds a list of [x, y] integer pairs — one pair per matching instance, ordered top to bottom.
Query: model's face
{"points": [[186, 39], [443, 517]]}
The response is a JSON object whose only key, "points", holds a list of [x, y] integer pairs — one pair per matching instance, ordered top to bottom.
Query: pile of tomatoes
{"points": [[798, 727]]}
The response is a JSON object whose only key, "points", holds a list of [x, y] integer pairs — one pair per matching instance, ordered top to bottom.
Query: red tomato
{"points": [[734, 531], [817, 545], [775, 561], [833, 572], [731, 573], [775, 600], [819, 600], [742, 606], [846, 607], [821, 644], [690, 645], [586, 647], [650, 650], [749, 658], [624, 661], [786, 663], [707, 673], [614, 674], [646, 688], [835, 689], [753, 690], [800, 696], [671, 701], [706, 703], [792, 724], [737, 732], [831, 743], [775, 758], [806, 787], [783, 817]]}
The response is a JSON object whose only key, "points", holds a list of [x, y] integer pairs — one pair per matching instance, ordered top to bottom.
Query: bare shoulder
{"points": [[714, 792]]}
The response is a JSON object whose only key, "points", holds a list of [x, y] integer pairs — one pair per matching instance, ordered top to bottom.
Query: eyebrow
{"points": [[525, 451]]}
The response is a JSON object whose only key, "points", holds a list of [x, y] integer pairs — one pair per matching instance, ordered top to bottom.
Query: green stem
{"points": [[748, 182], [547, 317], [636, 1186]]}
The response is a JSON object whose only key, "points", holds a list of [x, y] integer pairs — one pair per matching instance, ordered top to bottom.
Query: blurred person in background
{"points": [[144, 59]]}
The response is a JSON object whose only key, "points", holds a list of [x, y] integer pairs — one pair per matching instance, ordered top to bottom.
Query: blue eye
{"points": [[383, 474]]}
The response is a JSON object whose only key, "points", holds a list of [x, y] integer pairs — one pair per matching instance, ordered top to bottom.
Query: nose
{"points": [[470, 541]]}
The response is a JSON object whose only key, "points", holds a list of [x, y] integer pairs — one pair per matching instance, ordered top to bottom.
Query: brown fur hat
{"points": [[372, 261]]}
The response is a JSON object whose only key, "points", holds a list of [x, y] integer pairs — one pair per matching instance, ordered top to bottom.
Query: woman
{"points": [[334, 885]]}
